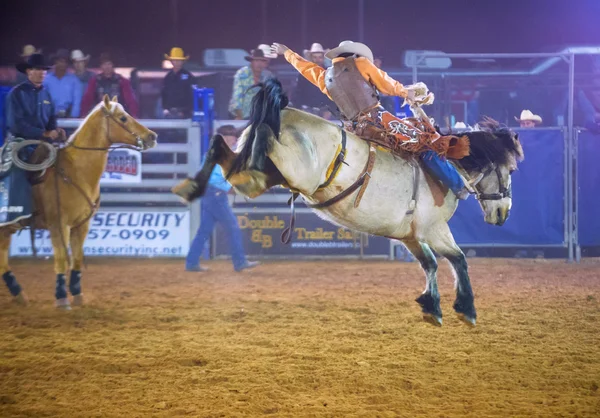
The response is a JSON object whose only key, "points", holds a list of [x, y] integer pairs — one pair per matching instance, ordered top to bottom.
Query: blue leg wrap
{"points": [[443, 170], [75, 282], [11, 283], [61, 287]]}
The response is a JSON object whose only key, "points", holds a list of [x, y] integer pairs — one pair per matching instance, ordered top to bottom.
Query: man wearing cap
{"points": [[80, 62], [246, 77], [353, 82], [110, 83], [64, 87], [177, 95], [30, 111], [216, 209]]}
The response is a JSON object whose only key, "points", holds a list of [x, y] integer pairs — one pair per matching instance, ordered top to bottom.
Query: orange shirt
{"points": [[316, 74]]}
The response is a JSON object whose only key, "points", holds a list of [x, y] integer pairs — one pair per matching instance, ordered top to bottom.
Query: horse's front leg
{"points": [[78, 236], [60, 244], [444, 244], [430, 298]]}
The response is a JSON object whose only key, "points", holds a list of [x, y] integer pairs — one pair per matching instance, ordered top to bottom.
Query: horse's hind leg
{"points": [[77, 239], [444, 244], [9, 278], [430, 298]]}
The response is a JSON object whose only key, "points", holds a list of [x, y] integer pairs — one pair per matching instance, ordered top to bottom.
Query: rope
{"points": [[48, 162]]}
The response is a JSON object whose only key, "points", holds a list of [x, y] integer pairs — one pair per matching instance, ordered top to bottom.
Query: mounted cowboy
{"points": [[353, 82], [30, 114]]}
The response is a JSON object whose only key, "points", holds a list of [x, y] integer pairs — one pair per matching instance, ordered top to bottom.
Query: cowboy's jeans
{"points": [[443, 170], [215, 208]]}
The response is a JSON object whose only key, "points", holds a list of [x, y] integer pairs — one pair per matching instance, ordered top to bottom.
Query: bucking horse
{"points": [[360, 186]]}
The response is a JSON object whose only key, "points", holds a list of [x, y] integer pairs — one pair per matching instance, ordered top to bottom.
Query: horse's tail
{"points": [[266, 110]]}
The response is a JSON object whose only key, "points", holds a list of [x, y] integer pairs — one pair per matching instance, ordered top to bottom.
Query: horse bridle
{"points": [[108, 115], [503, 190]]}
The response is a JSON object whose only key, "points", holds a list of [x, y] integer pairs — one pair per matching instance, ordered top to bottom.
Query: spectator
{"points": [[28, 50], [80, 63], [246, 77], [111, 83], [64, 87], [177, 95], [306, 97], [528, 119], [215, 208]]}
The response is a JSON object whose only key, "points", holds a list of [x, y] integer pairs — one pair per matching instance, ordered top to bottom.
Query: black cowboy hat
{"points": [[60, 54], [256, 54], [34, 61]]}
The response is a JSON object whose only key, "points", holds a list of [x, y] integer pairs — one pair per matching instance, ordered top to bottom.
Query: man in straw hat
{"points": [[80, 63], [254, 73], [353, 82], [177, 95], [305, 95], [528, 119]]}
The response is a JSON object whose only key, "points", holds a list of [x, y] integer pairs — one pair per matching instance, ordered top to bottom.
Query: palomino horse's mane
{"points": [[113, 106]]}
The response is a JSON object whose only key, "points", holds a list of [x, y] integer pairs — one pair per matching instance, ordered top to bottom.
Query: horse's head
{"points": [[122, 128], [494, 156]]}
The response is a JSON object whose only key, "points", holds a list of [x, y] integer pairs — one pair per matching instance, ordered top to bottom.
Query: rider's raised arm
{"points": [[311, 71], [379, 78]]}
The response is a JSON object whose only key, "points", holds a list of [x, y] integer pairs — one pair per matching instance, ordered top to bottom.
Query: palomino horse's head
{"points": [[118, 127], [494, 155]]}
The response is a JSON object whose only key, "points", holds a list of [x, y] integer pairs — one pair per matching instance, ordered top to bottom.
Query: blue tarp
{"points": [[589, 189], [537, 214]]}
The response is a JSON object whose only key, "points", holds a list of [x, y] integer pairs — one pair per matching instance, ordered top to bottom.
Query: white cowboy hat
{"points": [[316, 47], [349, 47], [267, 51], [77, 55], [528, 115], [460, 125]]}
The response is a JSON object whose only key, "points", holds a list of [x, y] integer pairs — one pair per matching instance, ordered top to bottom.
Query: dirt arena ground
{"points": [[325, 338]]}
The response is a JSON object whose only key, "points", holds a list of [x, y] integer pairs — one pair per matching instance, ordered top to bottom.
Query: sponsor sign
{"points": [[123, 166], [116, 233], [312, 236]]}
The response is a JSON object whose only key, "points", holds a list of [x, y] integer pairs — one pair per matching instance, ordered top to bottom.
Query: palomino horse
{"points": [[329, 169], [70, 195]]}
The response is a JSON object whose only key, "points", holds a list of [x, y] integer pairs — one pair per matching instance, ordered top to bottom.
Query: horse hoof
{"points": [[21, 299], [78, 300], [63, 304], [432, 319], [467, 319]]}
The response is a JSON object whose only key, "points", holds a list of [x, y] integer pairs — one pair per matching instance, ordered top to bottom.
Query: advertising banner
{"points": [[117, 233]]}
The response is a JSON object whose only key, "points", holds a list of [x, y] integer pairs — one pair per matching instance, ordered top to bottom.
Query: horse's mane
{"points": [[113, 107], [266, 109], [491, 145]]}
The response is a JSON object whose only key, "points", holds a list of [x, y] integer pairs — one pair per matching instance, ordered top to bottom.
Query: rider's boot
{"points": [[446, 173]]}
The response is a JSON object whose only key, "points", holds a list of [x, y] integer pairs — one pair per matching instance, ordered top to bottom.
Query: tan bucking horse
{"points": [[361, 187], [67, 199]]}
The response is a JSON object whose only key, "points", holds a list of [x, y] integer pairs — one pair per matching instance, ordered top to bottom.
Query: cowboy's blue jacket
{"points": [[29, 111]]}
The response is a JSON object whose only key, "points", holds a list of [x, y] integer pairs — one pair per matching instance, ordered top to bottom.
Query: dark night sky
{"points": [[139, 32]]}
